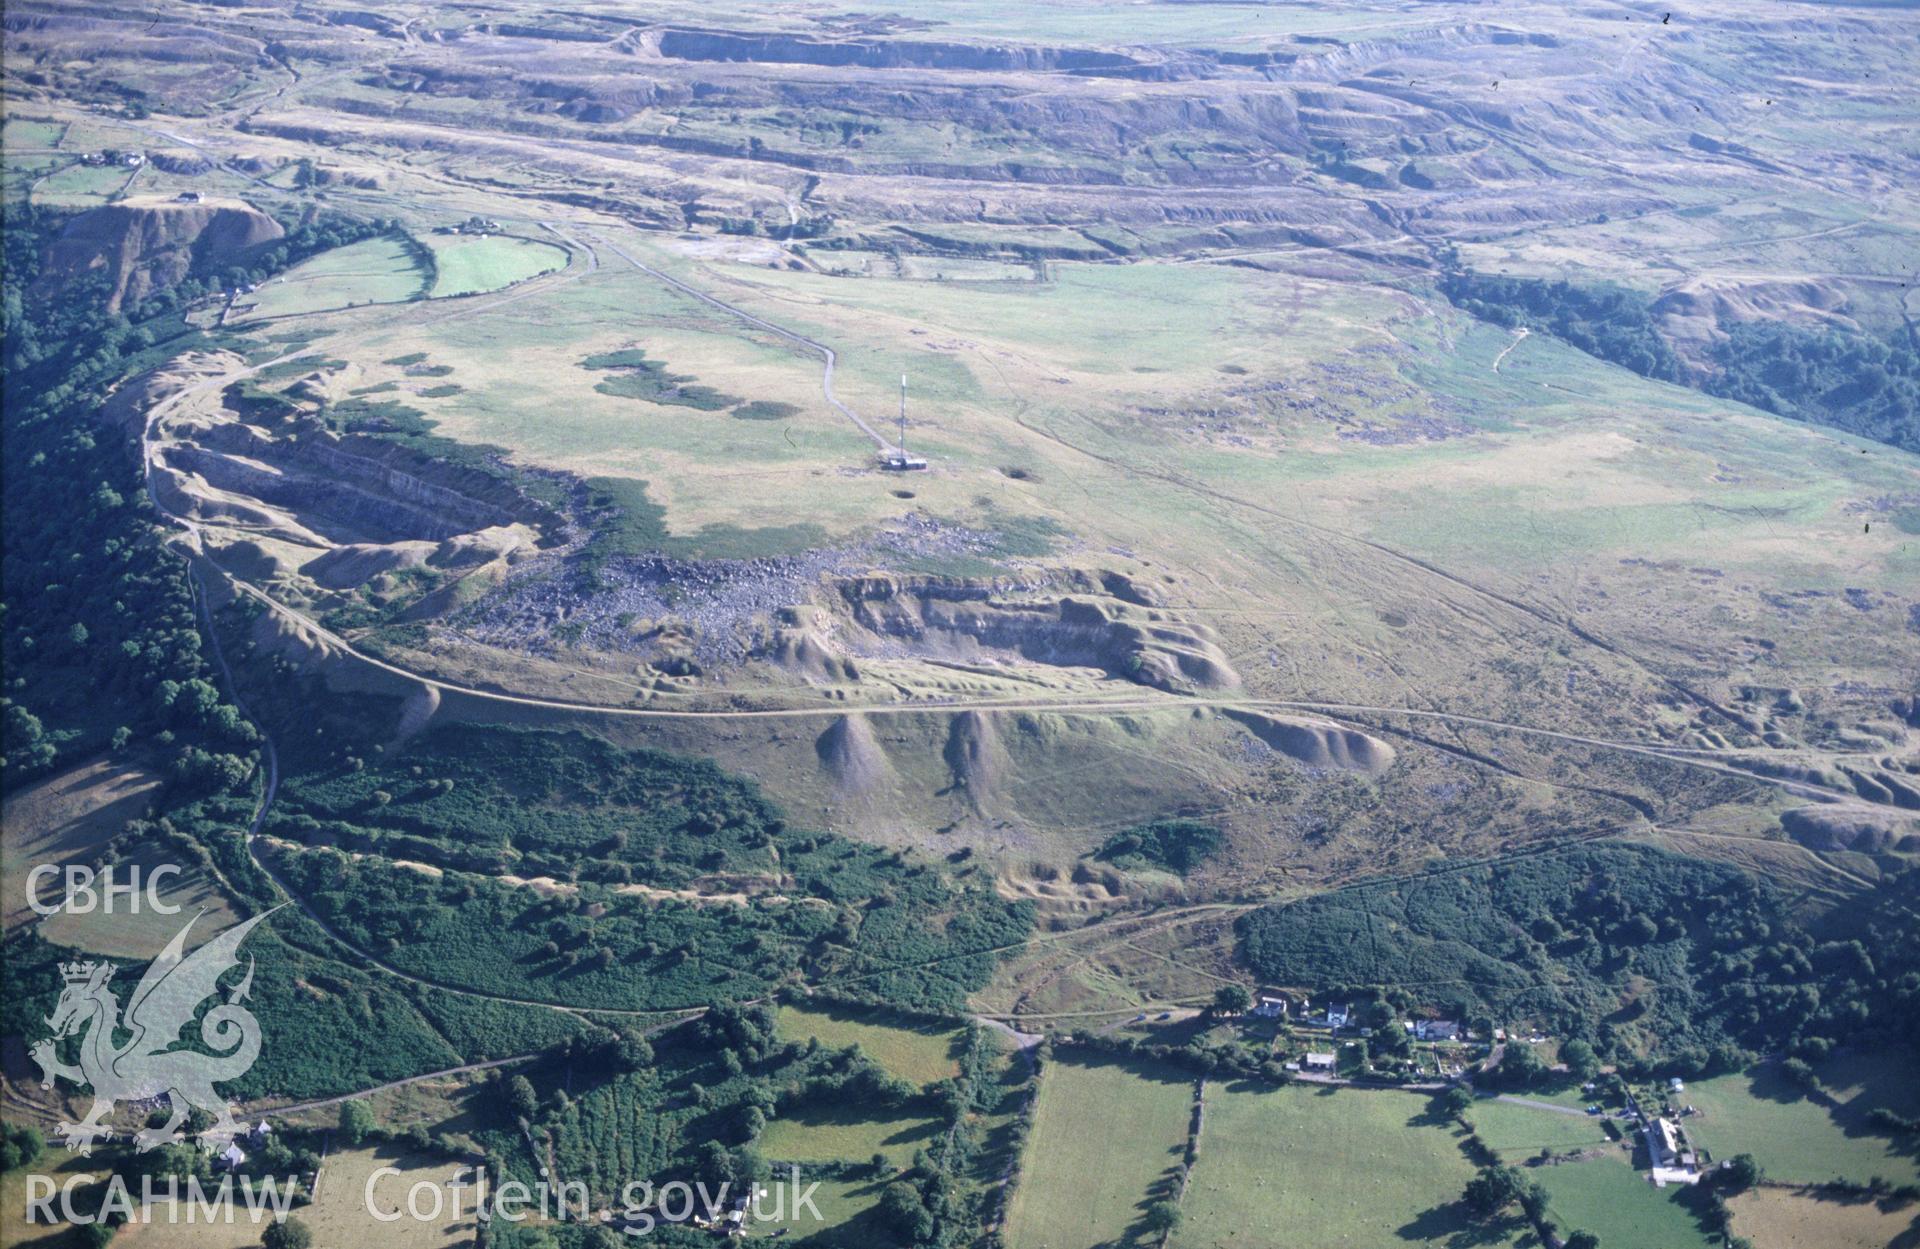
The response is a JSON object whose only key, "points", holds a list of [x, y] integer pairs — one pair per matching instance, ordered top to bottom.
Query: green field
{"points": [[22, 132], [18, 173], [82, 186], [473, 264], [375, 271], [919, 1053], [1518, 1132], [843, 1133], [1796, 1138], [1107, 1139], [1310, 1167], [1607, 1197], [846, 1221]]}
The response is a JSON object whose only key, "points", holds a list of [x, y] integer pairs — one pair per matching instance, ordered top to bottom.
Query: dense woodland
{"points": [[1850, 381], [472, 802], [1639, 952]]}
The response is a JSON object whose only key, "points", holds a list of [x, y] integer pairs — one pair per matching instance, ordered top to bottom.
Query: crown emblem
{"points": [[78, 973]]}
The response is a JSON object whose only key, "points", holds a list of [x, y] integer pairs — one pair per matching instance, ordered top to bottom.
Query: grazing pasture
{"points": [[473, 264], [374, 271], [1517, 1132], [1107, 1139], [1802, 1139], [1311, 1167], [1607, 1197], [1784, 1218]]}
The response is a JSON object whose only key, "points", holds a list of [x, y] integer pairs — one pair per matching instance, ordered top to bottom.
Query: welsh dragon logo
{"points": [[147, 1067]]}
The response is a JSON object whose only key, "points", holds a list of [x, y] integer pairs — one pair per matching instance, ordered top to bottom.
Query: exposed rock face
{"points": [[148, 245], [325, 490], [966, 620]]}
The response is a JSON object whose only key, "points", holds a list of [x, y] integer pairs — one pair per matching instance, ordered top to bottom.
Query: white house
{"points": [[1318, 1061], [232, 1157]]}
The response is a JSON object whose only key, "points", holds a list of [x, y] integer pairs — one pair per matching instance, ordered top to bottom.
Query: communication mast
{"points": [[895, 459]]}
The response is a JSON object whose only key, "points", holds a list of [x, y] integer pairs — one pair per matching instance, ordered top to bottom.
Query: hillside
{"points": [[144, 245], [1013, 610]]}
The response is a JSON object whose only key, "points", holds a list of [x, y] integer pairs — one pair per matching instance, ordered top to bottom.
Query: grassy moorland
{"points": [[1356, 363]]}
